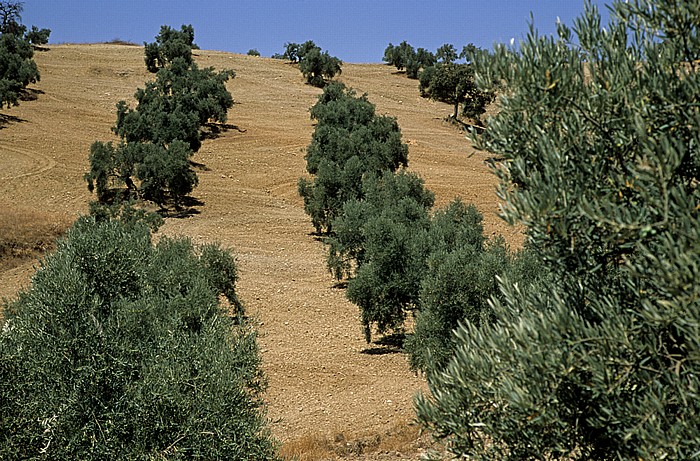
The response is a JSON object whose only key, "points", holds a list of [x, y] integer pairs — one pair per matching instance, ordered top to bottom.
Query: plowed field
{"points": [[326, 385]]}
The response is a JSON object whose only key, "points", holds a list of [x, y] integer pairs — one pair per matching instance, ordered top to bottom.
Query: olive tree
{"points": [[170, 44], [446, 54], [404, 56], [17, 66], [318, 66], [455, 84], [598, 129], [164, 130], [349, 142], [379, 243], [123, 349]]}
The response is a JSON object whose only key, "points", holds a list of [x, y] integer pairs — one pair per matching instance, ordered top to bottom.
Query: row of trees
{"points": [[406, 58], [317, 66], [17, 67], [441, 78], [159, 136], [397, 255], [585, 345], [121, 349], [124, 349], [600, 359]]}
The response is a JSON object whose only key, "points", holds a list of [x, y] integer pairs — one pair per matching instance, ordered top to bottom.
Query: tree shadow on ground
{"points": [[30, 94], [9, 119], [214, 130], [199, 166], [187, 207], [319, 236], [387, 344]]}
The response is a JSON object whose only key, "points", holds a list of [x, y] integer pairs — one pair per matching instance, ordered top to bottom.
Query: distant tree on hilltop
{"points": [[11, 17], [170, 44], [447, 53], [404, 56], [316, 65], [455, 83]]}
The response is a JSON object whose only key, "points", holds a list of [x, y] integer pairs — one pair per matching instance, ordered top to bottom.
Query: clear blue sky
{"points": [[355, 31]]}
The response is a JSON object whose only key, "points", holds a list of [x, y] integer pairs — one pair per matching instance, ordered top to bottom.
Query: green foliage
{"points": [[11, 17], [37, 36], [169, 45], [303, 49], [253, 52], [291, 52], [295, 52], [446, 54], [398, 55], [405, 56], [422, 60], [318, 67], [17, 68], [454, 84], [175, 105], [599, 131], [162, 133], [349, 142], [164, 173], [401, 196], [127, 213], [389, 242], [460, 281], [120, 350]]}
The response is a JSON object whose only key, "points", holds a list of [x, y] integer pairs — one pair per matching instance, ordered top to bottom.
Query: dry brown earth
{"points": [[324, 387]]}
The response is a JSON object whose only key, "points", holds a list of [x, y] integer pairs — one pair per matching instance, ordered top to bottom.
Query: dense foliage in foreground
{"points": [[599, 130], [120, 349]]}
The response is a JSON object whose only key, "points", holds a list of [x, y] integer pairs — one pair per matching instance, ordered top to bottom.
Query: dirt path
{"points": [[324, 380]]}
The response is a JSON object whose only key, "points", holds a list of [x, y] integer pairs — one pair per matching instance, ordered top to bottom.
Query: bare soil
{"points": [[330, 394]]}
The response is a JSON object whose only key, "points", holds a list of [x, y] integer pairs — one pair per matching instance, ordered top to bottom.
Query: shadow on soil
{"points": [[30, 94], [9, 119], [214, 130], [199, 166], [187, 207], [389, 344]]}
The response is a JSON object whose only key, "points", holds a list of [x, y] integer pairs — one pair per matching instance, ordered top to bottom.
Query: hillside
{"points": [[324, 380]]}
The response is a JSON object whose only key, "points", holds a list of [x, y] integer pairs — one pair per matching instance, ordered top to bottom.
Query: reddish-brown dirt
{"points": [[326, 385]]}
